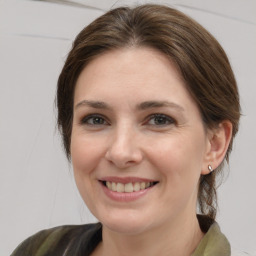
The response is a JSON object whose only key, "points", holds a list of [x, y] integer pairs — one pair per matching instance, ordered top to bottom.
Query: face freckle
{"points": [[135, 121]]}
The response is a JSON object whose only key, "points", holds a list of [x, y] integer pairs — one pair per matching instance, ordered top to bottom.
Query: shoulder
{"points": [[56, 241]]}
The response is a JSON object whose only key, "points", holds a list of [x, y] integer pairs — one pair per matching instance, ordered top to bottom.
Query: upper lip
{"points": [[126, 179]]}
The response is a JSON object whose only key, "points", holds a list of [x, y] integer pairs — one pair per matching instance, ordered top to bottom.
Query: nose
{"points": [[124, 149]]}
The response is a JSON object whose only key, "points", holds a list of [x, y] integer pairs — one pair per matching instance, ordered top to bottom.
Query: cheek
{"points": [[85, 154], [179, 157], [179, 162]]}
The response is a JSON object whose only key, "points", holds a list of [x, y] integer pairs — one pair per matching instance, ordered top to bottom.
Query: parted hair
{"points": [[198, 56]]}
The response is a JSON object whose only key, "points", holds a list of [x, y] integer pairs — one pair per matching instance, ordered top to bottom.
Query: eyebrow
{"points": [[93, 104], [158, 104], [142, 106]]}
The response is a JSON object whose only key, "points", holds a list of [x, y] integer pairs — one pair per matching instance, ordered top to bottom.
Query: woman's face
{"points": [[138, 144]]}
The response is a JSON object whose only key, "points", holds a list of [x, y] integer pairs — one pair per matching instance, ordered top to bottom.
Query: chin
{"points": [[126, 223]]}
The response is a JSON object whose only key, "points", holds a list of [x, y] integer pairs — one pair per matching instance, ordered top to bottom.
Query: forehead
{"points": [[141, 68]]}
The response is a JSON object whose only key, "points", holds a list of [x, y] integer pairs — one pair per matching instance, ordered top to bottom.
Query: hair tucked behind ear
{"points": [[200, 59], [207, 199]]}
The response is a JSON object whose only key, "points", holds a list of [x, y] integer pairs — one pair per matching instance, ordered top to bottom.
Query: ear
{"points": [[218, 140]]}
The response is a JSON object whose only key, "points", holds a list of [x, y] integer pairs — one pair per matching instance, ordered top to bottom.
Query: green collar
{"points": [[214, 243]]}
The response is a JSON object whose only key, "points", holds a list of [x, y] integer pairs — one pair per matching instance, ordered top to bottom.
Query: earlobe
{"points": [[218, 143]]}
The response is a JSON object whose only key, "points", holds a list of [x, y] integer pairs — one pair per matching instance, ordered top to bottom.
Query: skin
{"points": [[124, 139]]}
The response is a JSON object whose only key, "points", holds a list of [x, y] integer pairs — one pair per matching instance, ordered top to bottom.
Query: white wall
{"points": [[36, 185]]}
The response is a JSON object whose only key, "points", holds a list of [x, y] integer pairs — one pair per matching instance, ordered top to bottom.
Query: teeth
{"points": [[108, 184], [142, 185], [113, 186], [136, 186], [120, 187], [128, 187]]}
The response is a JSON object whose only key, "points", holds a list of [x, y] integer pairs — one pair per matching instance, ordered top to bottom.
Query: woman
{"points": [[148, 108]]}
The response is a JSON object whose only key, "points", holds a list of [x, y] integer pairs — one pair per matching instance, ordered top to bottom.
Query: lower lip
{"points": [[125, 197]]}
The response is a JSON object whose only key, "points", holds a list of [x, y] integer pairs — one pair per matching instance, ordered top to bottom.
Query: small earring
{"points": [[210, 168]]}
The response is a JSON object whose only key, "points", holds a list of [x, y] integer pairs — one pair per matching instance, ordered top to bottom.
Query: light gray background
{"points": [[37, 190]]}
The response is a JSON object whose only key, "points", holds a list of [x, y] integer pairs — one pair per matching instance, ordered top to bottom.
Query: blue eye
{"points": [[94, 120], [160, 120]]}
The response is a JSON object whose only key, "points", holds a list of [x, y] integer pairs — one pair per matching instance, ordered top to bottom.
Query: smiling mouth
{"points": [[128, 187]]}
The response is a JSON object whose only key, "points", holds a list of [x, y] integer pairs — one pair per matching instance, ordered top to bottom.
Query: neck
{"points": [[178, 238]]}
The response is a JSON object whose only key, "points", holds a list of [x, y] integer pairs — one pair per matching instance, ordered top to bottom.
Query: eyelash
{"points": [[93, 117]]}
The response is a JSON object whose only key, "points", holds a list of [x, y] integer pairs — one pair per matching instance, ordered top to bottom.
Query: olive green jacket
{"points": [[81, 240], [213, 243]]}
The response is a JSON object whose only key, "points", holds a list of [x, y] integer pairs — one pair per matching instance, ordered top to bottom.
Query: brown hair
{"points": [[201, 60]]}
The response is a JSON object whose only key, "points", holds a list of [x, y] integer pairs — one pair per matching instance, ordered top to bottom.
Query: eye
{"points": [[94, 120], [160, 120]]}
